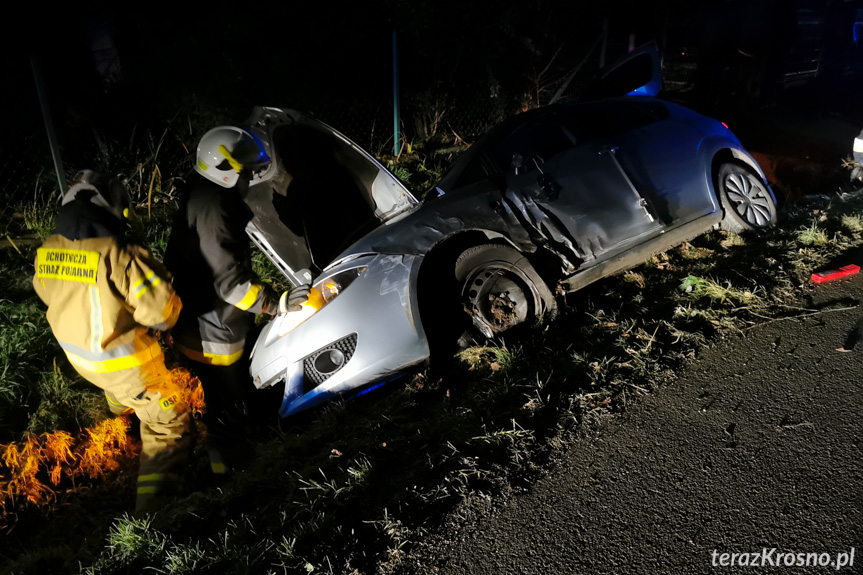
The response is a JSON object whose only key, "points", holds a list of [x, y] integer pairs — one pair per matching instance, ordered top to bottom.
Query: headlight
{"points": [[322, 293]]}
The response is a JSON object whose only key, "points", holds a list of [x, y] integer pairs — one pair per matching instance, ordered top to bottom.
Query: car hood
{"points": [[320, 194]]}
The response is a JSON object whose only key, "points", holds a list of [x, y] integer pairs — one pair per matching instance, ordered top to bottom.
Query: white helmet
{"points": [[226, 151], [104, 191]]}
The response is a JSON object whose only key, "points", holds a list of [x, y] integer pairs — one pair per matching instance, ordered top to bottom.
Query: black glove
{"points": [[294, 299]]}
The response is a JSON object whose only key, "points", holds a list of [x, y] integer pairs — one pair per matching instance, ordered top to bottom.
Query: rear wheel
{"points": [[746, 200], [500, 289]]}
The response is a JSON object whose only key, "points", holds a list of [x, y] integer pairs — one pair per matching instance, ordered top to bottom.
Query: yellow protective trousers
{"points": [[165, 417]]}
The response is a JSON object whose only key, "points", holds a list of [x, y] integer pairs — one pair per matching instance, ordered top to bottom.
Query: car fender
{"points": [[713, 148], [480, 208], [377, 311]]}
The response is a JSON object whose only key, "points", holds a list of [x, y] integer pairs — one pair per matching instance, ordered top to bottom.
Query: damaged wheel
{"points": [[746, 200], [500, 289]]}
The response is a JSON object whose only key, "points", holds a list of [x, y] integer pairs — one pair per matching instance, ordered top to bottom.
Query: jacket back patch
{"points": [[67, 265]]}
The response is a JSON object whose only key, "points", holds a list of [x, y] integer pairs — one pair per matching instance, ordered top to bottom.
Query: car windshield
{"points": [[486, 157]]}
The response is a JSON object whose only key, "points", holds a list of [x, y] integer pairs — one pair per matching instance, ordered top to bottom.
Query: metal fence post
{"points": [[49, 124], [396, 135]]}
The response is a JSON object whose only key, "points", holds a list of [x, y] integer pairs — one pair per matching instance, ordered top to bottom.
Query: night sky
{"points": [[274, 50], [229, 56]]}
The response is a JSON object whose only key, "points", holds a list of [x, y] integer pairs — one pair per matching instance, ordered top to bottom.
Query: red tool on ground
{"points": [[844, 271]]}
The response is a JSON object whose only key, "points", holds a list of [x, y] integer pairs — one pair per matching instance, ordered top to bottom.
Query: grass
{"points": [[419, 167], [402, 173], [39, 219], [853, 222], [157, 232], [812, 235], [732, 240], [268, 272], [634, 277], [698, 287], [26, 345], [489, 357], [65, 402], [354, 487], [130, 538]]}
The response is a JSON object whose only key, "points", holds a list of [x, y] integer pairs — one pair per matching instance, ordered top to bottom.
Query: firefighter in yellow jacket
{"points": [[106, 297]]}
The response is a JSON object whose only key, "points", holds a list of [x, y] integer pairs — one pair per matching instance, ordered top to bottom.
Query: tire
{"points": [[747, 202], [499, 289]]}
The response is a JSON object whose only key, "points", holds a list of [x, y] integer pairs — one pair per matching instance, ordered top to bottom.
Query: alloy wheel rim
{"points": [[749, 198]]}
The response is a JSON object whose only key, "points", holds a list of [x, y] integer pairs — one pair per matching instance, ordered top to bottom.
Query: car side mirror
{"points": [[433, 194]]}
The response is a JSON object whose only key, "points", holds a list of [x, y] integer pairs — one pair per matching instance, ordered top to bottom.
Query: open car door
{"points": [[639, 73]]}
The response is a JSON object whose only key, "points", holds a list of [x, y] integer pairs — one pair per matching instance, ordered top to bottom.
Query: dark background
{"points": [[118, 77]]}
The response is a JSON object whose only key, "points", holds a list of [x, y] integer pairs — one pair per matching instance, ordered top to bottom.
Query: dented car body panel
{"points": [[594, 187]]}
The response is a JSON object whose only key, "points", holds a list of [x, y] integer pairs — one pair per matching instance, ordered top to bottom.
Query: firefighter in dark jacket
{"points": [[209, 254], [105, 297]]}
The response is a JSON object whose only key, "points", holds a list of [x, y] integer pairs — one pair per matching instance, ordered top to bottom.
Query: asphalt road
{"points": [[757, 445]]}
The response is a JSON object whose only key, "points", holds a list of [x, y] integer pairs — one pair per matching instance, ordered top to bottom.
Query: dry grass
{"points": [[853, 222], [813, 235], [698, 287], [34, 469]]}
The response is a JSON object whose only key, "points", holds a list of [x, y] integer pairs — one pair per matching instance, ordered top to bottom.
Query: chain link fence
{"points": [[149, 162], [28, 179]]}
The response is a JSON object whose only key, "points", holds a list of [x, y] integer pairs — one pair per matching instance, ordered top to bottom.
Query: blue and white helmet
{"points": [[226, 151]]}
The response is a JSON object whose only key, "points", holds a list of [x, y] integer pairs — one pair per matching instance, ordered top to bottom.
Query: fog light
{"points": [[329, 361]]}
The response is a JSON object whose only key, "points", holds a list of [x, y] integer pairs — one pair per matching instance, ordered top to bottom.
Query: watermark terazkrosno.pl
{"points": [[775, 558]]}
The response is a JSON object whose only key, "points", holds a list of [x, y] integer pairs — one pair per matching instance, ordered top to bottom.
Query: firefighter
{"points": [[857, 150], [209, 255], [106, 298]]}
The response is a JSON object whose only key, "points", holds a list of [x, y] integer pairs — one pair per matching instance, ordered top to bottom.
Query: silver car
{"points": [[546, 202]]}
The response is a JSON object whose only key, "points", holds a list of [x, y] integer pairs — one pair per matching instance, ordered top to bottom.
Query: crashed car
{"points": [[546, 202]]}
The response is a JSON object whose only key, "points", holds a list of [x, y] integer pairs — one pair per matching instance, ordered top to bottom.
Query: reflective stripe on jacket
{"points": [[210, 256], [102, 298]]}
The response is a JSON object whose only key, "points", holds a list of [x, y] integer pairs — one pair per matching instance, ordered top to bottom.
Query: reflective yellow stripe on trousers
{"points": [[214, 353], [113, 363], [150, 483]]}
